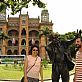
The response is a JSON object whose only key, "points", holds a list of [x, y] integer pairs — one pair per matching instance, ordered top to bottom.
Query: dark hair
{"points": [[80, 38], [30, 52]]}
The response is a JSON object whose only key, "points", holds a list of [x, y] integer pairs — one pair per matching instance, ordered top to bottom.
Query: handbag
{"points": [[70, 65], [22, 79]]}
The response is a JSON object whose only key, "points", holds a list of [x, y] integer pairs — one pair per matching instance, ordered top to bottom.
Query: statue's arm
{"points": [[69, 42]]}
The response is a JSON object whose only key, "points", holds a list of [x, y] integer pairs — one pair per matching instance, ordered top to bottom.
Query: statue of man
{"points": [[59, 54]]}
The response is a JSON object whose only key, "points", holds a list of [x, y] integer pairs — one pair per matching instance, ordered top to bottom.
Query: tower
{"points": [[44, 16]]}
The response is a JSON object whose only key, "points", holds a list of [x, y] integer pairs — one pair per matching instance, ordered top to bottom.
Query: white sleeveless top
{"points": [[35, 70]]}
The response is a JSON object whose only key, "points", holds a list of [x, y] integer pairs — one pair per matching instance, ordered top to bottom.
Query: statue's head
{"points": [[54, 38]]}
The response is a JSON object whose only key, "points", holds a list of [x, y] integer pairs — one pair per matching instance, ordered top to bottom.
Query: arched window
{"points": [[23, 32], [13, 33], [33, 33], [23, 42], [37, 42], [9, 43], [16, 43], [9, 52], [15, 52], [23, 52]]}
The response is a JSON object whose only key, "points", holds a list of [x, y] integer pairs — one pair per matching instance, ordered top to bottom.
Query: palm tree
{"points": [[46, 32], [3, 36], [2, 42]]}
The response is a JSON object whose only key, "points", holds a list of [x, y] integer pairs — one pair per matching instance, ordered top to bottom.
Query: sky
{"points": [[66, 15]]}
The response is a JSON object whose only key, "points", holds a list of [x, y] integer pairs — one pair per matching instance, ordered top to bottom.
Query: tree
{"points": [[17, 5], [46, 32], [3, 36], [69, 36]]}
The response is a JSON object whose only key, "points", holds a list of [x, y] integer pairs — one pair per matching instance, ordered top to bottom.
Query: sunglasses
{"points": [[35, 50]]}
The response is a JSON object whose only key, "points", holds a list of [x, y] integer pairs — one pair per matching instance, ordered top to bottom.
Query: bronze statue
{"points": [[59, 54]]}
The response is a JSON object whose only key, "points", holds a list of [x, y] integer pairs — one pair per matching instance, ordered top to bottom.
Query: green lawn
{"points": [[10, 72], [16, 72], [47, 72]]}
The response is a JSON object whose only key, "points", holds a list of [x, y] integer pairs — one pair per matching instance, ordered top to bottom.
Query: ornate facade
{"points": [[23, 32]]}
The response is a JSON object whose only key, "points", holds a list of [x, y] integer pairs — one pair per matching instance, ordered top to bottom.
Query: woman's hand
{"points": [[25, 80], [41, 80]]}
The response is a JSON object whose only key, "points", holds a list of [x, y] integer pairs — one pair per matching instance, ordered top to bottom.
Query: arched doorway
{"points": [[9, 52], [23, 52]]}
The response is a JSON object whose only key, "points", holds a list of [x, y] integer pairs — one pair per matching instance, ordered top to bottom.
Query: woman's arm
{"points": [[25, 69], [41, 72]]}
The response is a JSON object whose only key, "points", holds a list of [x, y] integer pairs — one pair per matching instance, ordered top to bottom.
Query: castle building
{"points": [[23, 32]]}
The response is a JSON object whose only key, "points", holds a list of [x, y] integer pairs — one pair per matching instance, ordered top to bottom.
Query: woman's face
{"points": [[35, 51]]}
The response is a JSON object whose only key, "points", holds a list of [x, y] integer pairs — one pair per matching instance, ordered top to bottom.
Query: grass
{"points": [[72, 71], [12, 72], [47, 72]]}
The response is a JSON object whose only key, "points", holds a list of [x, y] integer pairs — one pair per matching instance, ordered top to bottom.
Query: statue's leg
{"points": [[55, 74], [65, 75]]}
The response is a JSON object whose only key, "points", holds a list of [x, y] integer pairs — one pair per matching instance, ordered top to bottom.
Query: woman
{"points": [[32, 66]]}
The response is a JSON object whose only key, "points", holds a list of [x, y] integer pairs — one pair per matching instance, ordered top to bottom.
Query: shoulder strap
{"points": [[32, 65]]}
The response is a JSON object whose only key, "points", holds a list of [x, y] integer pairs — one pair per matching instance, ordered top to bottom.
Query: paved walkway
{"points": [[71, 80]]}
